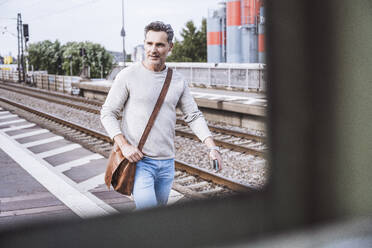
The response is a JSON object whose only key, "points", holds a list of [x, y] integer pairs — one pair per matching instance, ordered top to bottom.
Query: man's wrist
{"points": [[120, 140], [216, 148]]}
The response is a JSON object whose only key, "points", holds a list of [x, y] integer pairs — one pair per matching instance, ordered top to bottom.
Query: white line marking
{"points": [[198, 95], [211, 96], [219, 97], [215, 98], [226, 98], [232, 99], [250, 101], [4, 112], [7, 116], [11, 122], [18, 127], [31, 133], [42, 141], [58, 150], [78, 162], [92, 182], [174, 196], [26, 197], [84, 204], [32, 211]]}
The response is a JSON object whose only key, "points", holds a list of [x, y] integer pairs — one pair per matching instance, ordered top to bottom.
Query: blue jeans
{"points": [[153, 182]]}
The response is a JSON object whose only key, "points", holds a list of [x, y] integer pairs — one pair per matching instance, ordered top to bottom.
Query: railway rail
{"points": [[228, 139], [193, 182]]}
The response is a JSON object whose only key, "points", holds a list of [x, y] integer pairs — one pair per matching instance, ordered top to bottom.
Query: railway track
{"points": [[228, 139], [193, 182]]}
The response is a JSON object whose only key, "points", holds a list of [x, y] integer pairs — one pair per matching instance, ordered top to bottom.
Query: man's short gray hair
{"points": [[161, 26]]}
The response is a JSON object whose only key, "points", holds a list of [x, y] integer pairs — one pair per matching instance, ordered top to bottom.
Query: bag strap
{"points": [[157, 107]]}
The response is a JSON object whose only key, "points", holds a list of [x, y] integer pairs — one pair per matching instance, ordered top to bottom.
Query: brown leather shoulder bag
{"points": [[120, 172]]}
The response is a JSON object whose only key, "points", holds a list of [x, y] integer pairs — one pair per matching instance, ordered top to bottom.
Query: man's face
{"points": [[156, 48]]}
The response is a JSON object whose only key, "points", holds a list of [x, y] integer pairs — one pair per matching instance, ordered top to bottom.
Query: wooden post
{"points": [[259, 79], [63, 84]]}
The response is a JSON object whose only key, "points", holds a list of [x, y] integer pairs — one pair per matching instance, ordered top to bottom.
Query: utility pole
{"points": [[123, 32], [26, 36], [22, 53], [70, 58], [70, 67], [21, 75]]}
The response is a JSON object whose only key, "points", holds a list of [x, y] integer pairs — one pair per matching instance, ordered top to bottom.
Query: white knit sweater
{"points": [[136, 90]]}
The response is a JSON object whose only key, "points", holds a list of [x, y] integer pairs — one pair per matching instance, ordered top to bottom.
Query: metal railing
{"points": [[222, 75], [244, 76], [43, 80]]}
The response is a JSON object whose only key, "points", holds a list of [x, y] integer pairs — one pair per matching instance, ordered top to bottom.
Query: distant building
{"points": [[235, 32], [138, 53], [118, 56], [9, 60]]}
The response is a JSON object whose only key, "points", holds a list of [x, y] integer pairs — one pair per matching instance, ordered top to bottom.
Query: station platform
{"points": [[99, 89], [253, 103], [238, 108], [46, 177]]}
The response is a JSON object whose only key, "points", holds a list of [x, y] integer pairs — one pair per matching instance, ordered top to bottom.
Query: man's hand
{"points": [[132, 153], [214, 154]]}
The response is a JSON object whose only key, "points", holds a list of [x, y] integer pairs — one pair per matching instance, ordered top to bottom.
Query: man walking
{"points": [[136, 89]]}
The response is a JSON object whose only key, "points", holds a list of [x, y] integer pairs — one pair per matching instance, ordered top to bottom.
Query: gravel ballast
{"points": [[246, 169]]}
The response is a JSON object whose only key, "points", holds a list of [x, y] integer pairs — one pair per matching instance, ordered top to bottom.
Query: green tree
{"points": [[193, 47], [46, 55], [71, 55], [96, 57], [56, 58]]}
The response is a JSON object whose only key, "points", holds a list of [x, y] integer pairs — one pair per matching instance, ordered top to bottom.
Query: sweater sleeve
{"points": [[115, 101], [192, 115]]}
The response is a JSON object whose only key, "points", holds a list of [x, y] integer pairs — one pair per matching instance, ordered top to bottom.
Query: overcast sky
{"points": [[99, 21]]}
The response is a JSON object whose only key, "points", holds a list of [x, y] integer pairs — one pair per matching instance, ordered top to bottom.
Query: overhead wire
{"points": [[4, 2], [33, 4], [64, 10], [53, 13], [5, 29]]}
